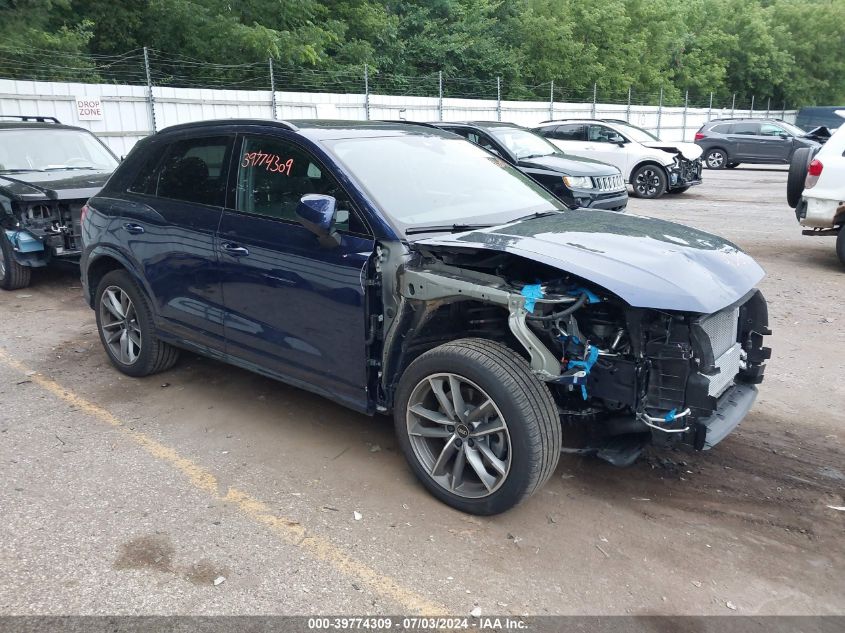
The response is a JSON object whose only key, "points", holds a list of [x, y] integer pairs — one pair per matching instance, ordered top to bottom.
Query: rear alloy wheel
{"points": [[716, 159], [648, 181], [13, 276], [125, 323], [479, 430]]}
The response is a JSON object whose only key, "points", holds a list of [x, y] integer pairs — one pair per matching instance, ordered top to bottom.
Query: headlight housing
{"points": [[578, 182]]}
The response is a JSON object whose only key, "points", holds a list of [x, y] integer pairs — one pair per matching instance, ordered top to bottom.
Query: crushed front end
{"points": [[684, 172], [41, 230], [635, 376], [622, 377]]}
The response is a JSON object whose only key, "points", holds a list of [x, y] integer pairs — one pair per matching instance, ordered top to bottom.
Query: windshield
{"points": [[636, 133], [522, 143], [37, 149], [433, 181]]}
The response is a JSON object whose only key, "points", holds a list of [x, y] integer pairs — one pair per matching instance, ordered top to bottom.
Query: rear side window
{"points": [[722, 128], [746, 128], [570, 132], [192, 170]]}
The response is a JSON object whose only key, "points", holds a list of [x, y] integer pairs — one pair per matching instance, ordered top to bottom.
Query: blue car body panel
{"points": [[23, 242], [649, 263]]}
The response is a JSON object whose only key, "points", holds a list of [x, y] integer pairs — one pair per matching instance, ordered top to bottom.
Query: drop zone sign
{"points": [[89, 109]]}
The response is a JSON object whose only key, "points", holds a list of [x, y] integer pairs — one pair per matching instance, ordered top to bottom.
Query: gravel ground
{"points": [[123, 496]]}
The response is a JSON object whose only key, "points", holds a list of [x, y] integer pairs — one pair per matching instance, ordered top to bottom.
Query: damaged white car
{"points": [[652, 167]]}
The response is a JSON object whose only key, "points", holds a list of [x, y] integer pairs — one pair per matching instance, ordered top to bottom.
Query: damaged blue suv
{"points": [[400, 269]]}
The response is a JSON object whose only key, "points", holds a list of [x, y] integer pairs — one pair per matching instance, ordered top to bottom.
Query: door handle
{"points": [[134, 229], [234, 250]]}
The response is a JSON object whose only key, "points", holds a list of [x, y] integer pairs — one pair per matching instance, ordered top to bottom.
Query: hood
{"points": [[690, 151], [569, 165], [67, 185], [649, 263]]}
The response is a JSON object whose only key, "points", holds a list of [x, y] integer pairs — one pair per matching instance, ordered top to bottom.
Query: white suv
{"points": [[651, 166], [819, 180]]}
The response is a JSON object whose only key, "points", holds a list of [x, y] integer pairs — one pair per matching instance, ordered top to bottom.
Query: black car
{"points": [[728, 142], [47, 172], [578, 182], [400, 269]]}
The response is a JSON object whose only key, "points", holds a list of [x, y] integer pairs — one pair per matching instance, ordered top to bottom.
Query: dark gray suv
{"points": [[729, 142]]}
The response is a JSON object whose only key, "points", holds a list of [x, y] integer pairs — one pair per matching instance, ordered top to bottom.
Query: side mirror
{"points": [[783, 135], [617, 140], [317, 213]]}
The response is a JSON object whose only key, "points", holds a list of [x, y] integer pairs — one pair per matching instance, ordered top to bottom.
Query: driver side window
{"points": [[767, 129], [600, 134], [274, 174]]}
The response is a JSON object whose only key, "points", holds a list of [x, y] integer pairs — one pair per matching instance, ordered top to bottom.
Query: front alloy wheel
{"points": [[649, 181], [119, 325], [478, 428], [459, 435]]}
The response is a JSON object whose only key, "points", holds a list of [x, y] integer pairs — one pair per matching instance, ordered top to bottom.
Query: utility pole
{"points": [[272, 89], [366, 91], [440, 95], [150, 97], [498, 98], [552, 101], [733, 105], [628, 108], [710, 108], [593, 109], [660, 111], [684, 124]]}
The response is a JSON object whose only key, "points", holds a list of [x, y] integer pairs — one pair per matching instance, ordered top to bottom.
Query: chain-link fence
{"points": [[170, 85]]}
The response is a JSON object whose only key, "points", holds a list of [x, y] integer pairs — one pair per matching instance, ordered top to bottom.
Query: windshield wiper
{"points": [[67, 167], [18, 171], [538, 214], [447, 228]]}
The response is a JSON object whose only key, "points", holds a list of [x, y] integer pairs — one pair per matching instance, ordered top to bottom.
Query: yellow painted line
{"points": [[288, 530]]}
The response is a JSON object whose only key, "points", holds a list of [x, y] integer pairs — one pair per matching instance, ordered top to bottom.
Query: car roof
{"points": [[744, 119], [479, 124], [30, 125], [320, 129]]}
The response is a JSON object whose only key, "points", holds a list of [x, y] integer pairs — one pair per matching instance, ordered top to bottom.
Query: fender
{"points": [[125, 260]]}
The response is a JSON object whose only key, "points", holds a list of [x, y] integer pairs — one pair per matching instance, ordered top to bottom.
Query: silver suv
{"points": [[728, 142]]}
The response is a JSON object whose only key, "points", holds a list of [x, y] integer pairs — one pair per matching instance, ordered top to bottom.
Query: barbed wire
{"points": [[183, 71]]}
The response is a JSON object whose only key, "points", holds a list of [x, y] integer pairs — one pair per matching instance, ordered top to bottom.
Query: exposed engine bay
{"points": [[42, 229], [622, 377]]}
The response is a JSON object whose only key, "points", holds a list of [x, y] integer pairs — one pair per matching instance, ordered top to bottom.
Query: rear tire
{"points": [[716, 158], [801, 158], [840, 245], [13, 276], [126, 327], [501, 449]]}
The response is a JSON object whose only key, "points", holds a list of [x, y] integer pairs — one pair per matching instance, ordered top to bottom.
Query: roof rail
{"points": [[31, 117], [422, 123]]}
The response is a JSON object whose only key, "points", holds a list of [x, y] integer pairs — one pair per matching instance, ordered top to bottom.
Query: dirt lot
{"points": [[134, 496]]}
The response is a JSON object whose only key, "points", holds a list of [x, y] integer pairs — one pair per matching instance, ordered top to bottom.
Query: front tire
{"points": [[649, 182], [13, 276], [125, 324], [478, 429]]}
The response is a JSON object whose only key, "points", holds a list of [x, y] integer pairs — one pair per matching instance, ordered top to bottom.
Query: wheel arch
{"points": [[643, 163], [102, 261]]}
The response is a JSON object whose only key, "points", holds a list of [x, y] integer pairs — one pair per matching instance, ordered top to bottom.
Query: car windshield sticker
{"points": [[271, 162]]}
